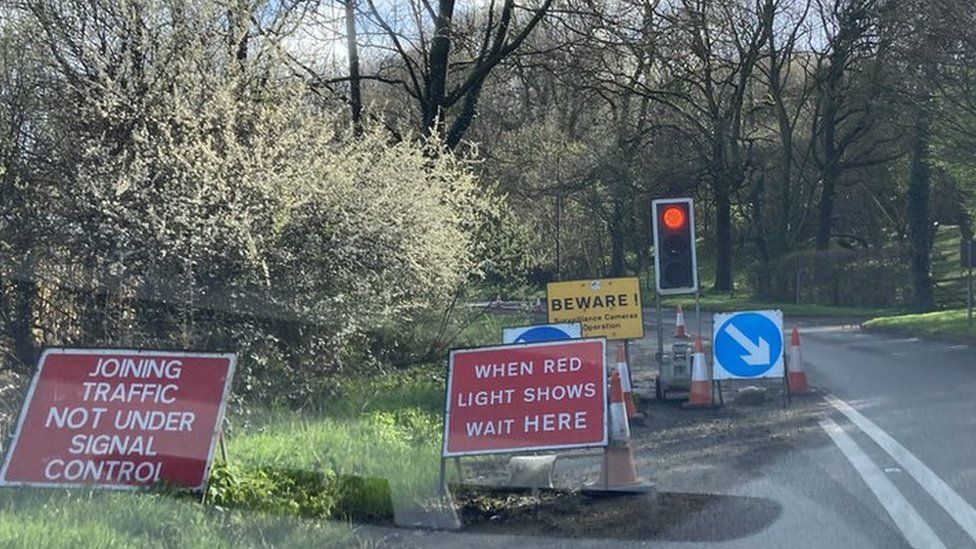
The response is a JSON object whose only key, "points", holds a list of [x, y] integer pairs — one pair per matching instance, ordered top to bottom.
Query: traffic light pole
{"points": [[969, 282], [698, 312], [660, 330]]}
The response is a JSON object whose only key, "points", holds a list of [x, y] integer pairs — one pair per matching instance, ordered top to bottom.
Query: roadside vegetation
{"points": [[292, 477], [108, 519]]}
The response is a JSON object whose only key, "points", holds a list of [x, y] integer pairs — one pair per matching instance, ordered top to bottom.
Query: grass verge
{"points": [[723, 303], [953, 323], [371, 445], [105, 519]]}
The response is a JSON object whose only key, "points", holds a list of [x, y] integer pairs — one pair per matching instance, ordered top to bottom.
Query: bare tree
{"points": [[445, 54], [850, 102]]}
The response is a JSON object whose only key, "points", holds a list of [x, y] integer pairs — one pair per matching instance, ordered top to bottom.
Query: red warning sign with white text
{"points": [[516, 398], [120, 419]]}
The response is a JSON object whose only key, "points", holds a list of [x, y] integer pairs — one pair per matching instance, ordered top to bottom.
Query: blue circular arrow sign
{"points": [[749, 345]]}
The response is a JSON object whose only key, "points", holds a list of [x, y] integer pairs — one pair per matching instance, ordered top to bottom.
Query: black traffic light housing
{"points": [[675, 260]]}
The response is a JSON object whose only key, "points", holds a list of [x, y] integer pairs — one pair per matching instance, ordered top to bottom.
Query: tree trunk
{"points": [[440, 51], [355, 90], [919, 217], [825, 221], [781, 238], [617, 240], [723, 240], [22, 315]]}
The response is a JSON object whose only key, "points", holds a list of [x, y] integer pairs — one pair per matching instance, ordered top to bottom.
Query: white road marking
{"points": [[949, 499], [916, 531]]}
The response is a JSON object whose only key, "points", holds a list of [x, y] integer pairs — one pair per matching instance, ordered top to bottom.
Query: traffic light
{"points": [[675, 262]]}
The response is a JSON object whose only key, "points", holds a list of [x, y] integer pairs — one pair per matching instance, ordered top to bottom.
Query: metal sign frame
{"points": [[776, 368]]}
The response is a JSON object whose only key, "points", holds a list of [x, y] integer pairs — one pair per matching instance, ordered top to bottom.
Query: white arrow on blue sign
{"points": [[542, 332], [748, 344]]}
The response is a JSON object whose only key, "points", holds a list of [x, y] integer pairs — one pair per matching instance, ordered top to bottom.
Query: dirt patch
{"points": [[723, 446], [571, 514]]}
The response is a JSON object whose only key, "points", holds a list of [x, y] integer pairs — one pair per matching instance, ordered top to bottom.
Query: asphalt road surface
{"points": [[884, 455]]}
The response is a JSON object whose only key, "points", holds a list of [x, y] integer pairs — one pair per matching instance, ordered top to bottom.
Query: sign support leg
{"points": [[786, 383], [786, 390], [223, 446], [457, 466], [442, 483]]}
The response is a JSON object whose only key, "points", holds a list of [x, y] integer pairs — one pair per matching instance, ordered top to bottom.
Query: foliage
{"points": [[196, 198], [846, 278], [299, 492]]}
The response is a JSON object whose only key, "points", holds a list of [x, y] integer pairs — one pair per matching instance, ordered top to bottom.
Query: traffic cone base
{"points": [[796, 379], [798, 383], [701, 386], [701, 396], [619, 472]]}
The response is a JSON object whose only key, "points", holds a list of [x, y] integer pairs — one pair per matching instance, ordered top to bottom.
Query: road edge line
{"points": [[953, 504], [913, 527]]}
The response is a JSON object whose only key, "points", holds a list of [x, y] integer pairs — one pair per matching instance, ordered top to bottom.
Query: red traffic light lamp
{"points": [[674, 217]]}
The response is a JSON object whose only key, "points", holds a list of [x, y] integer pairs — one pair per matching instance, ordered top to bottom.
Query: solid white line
{"points": [[952, 502], [906, 518]]}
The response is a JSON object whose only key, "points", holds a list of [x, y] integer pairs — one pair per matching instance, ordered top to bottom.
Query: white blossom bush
{"points": [[210, 202]]}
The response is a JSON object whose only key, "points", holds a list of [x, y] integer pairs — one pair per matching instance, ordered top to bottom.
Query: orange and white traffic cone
{"points": [[679, 325], [797, 378], [701, 384], [628, 391], [619, 471]]}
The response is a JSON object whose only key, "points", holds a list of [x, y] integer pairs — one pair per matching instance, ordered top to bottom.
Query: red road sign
{"points": [[516, 398], [119, 418]]}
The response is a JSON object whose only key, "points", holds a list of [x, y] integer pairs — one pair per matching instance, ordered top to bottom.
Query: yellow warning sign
{"points": [[608, 307]]}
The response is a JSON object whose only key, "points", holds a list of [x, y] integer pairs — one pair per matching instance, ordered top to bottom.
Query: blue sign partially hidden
{"points": [[541, 333], [748, 345]]}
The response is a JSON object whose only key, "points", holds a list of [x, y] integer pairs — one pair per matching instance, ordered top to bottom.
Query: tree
{"points": [[427, 39], [716, 49], [852, 96]]}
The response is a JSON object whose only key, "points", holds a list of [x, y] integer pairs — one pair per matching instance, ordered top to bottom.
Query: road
{"points": [[884, 455]]}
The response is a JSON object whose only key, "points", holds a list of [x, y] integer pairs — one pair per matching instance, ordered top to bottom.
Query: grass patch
{"points": [[952, 322], [376, 443], [105, 519]]}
